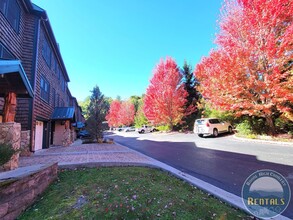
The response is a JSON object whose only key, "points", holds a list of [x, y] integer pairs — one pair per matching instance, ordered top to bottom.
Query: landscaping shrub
{"points": [[222, 115], [284, 125], [163, 128], [244, 128], [88, 141], [6, 152]]}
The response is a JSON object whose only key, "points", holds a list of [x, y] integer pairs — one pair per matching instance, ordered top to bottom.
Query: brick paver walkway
{"points": [[79, 153]]}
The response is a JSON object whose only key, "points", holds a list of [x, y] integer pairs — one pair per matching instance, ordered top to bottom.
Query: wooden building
{"points": [[27, 36]]}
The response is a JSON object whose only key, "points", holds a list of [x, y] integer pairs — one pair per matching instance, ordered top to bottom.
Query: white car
{"points": [[211, 126], [127, 129], [145, 129]]}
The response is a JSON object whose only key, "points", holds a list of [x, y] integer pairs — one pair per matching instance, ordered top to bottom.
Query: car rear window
{"points": [[200, 121], [214, 121]]}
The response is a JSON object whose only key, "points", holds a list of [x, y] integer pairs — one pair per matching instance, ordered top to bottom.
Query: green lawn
{"points": [[126, 193]]}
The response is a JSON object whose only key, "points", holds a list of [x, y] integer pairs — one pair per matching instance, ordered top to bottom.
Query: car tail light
{"points": [[208, 124]]}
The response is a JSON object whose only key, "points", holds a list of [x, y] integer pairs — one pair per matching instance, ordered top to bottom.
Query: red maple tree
{"points": [[251, 70], [165, 96], [120, 113], [126, 113], [113, 114]]}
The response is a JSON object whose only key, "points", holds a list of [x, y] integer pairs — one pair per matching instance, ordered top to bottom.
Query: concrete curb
{"points": [[263, 141], [72, 166], [223, 195]]}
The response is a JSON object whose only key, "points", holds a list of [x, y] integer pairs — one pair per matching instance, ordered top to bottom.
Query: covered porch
{"points": [[13, 84]]}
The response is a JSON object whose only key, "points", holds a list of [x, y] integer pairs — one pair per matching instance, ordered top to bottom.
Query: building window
{"points": [[11, 10], [46, 51], [5, 54], [54, 63], [58, 72], [62, 83], [45, 89], [53, 97], [58, 101]]}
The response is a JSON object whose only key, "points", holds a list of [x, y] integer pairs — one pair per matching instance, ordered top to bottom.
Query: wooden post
{"points": [[9, 109]]}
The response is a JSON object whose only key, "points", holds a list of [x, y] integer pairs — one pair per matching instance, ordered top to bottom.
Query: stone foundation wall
{"points": [[10, 134], [73, 135], [67, 140], [25, 143], [18, 193]]}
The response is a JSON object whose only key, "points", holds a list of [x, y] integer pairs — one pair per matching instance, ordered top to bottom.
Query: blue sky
{"points": [[116, 44]]}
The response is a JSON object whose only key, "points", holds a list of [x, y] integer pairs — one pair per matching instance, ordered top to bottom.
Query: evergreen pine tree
{"points": [[193, 97], [97, 110]]}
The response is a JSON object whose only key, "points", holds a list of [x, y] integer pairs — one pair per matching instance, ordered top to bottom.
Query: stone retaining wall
{"points": [[10, 134], [19, 191]]}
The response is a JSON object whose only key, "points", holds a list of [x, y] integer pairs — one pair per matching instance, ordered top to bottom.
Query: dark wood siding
{"points": [[20, 45]]}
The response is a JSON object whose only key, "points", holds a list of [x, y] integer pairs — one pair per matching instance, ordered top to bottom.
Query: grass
{"points": [[279, 138], [126, 193]]}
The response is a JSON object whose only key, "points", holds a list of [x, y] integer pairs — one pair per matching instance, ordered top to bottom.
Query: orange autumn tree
{"points": [[250, 72], [165, 96]]}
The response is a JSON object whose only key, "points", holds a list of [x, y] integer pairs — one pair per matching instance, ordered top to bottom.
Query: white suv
{"points": [[211, 126]]}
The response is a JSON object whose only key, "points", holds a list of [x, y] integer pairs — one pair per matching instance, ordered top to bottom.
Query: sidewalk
{"points": [[78, 154]]}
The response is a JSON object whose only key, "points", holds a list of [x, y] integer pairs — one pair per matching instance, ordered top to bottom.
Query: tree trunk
{"points": [[9, 109], [270, 123], [171, 126]]}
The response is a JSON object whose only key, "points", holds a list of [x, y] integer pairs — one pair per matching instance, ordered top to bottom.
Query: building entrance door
{"points": [[39, 135]]}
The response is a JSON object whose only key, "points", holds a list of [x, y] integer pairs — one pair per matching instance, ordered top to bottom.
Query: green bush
{"points": [[222, 115], [253, 125], [284, 125], [163, 128], [244, 128], [88, 141], [6, 152]]}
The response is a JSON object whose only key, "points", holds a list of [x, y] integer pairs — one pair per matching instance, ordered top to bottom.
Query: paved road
{"points": [[225, 162]]}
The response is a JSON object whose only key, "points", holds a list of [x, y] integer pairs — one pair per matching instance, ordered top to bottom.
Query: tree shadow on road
{"points": [[224, 169]]}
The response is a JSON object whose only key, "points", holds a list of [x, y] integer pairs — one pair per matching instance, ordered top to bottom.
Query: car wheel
{"points": [[230, 129], [142, 131], [215, 132], [200, 135]]}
